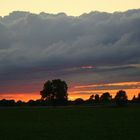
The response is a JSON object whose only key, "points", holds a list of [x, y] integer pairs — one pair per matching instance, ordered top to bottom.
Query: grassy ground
{"points": [[79, 123]]}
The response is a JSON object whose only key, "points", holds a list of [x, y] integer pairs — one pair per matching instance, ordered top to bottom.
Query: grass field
{"points": [[68, 123]]}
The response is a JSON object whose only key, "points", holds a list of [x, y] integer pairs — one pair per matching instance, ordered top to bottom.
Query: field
{"points": [[69, 123]]}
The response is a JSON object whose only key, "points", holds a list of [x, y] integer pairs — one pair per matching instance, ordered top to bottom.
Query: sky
{"points": [[71, 7], [93, 52]]}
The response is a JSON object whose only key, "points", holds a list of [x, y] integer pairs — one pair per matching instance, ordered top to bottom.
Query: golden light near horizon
{"points": [[70, 7], [83, 92], [72, 94]]}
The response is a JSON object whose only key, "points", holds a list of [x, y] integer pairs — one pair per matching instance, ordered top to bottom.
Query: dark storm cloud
{"points": [[48, 46]]}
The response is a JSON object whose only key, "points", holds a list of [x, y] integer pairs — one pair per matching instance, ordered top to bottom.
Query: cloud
{"points": [[95, 47]]}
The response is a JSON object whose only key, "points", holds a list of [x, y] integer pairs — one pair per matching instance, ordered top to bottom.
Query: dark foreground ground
{"points": [[69, 123]]}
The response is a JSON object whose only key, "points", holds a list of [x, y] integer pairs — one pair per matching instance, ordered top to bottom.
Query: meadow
{"points": [[69, 123]]}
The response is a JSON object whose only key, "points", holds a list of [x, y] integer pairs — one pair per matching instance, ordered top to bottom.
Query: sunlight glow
{"points": [[71, 7], [131, 88], [79, 92], [85, 94], [20, 96]]}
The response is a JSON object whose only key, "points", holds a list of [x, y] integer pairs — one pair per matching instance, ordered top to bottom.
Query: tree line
{"points": [[54, 93]]}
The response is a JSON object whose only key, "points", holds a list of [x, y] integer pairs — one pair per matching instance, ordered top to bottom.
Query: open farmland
{"points": [[69, 123]]}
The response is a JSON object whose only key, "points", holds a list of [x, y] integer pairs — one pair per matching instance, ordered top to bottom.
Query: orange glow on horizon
{"points": [[86, 90], [79, 92], [87, 93], [72, 95], [21, 96]]}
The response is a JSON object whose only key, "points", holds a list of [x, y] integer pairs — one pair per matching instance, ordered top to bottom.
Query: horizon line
{"points": [[62, 12]]}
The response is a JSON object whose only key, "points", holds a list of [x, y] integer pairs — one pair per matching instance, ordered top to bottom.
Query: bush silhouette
{"points": [[106, 97], [121, 98]]}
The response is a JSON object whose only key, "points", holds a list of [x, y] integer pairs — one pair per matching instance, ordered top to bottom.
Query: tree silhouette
{"points": [[55, 92], [91, 97], [105, 97], [97, 98], [121, 98], [138, 98], [134, 99], [90, 100], [78, 101], [5, 102], [20, 103]]}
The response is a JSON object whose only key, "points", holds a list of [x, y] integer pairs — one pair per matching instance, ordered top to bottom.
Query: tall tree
{"points": [[55, 92]]}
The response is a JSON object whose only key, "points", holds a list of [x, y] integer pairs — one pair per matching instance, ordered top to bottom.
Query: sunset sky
{"points": [[86, 43]]}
